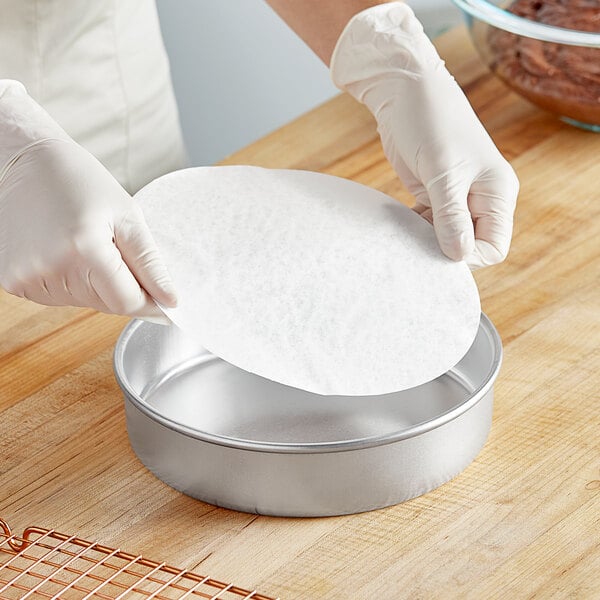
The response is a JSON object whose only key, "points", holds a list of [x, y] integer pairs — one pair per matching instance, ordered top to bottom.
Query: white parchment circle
{"points": [[310, 280]]}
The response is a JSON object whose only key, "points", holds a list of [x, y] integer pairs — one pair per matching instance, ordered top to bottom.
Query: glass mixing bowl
{"points": [[548, 51]]}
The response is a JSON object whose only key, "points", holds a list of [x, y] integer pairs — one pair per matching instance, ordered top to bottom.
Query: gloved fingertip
{"points": [[467, 243], [457, 247], [485, 254], [475, 262], [167, 295], [153, 312]]}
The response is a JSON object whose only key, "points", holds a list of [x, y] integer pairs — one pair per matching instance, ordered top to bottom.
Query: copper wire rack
{"points": [[43, 563]]}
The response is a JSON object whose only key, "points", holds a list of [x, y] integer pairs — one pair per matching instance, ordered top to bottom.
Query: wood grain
{"points": [[523, 521]]}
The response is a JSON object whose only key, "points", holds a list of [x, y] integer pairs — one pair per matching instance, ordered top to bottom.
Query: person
{"points": [[88, 116]]}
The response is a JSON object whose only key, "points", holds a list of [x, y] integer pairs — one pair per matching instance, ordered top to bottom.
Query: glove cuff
{"points": [[382, 43], [23, 122]]}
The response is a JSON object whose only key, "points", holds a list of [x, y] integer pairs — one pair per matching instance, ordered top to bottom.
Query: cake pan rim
{"points": [[440, 420]]}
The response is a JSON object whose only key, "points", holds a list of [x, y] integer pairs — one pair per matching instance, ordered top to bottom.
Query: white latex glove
{"points": [[429, 132], [69, 233]]}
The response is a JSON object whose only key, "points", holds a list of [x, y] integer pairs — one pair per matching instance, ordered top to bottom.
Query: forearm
{"points": [[320, 22]]}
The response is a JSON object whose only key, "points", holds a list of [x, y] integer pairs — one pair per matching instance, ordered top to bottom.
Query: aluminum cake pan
{"points": [[237, 440]]}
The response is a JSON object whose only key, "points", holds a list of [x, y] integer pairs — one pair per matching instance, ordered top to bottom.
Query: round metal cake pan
{"points": [[237, 440]]}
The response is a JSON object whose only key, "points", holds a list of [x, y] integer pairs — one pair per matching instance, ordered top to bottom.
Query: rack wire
{"points": [[43, 563]]}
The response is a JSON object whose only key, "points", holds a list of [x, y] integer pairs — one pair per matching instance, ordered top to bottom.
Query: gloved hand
{"points": [[429, 132], [71, 235]]}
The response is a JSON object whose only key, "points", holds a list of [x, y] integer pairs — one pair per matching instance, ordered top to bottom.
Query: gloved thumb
{"points": [[451, 217], [140, 254]]}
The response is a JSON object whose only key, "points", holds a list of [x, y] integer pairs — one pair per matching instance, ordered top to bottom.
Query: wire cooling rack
{"points": [[42, 563]]}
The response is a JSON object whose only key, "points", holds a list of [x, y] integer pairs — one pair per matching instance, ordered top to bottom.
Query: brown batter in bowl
{"points": [[559, 78]]}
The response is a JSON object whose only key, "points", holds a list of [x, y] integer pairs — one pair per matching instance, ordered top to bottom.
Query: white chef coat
{"points": [[100, 69]]}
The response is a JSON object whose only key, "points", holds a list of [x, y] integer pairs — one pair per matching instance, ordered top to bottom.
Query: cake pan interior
{"points": [[175, 381], [236, 440]]}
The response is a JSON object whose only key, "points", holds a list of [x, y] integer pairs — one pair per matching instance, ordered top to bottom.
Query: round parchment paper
{"points": [[311, 280]]}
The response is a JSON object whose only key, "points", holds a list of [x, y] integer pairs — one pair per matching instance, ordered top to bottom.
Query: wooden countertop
{"points": [[522, 521]]}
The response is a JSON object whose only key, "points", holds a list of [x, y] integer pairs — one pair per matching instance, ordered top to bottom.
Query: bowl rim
{"points": [[498, 17]]}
